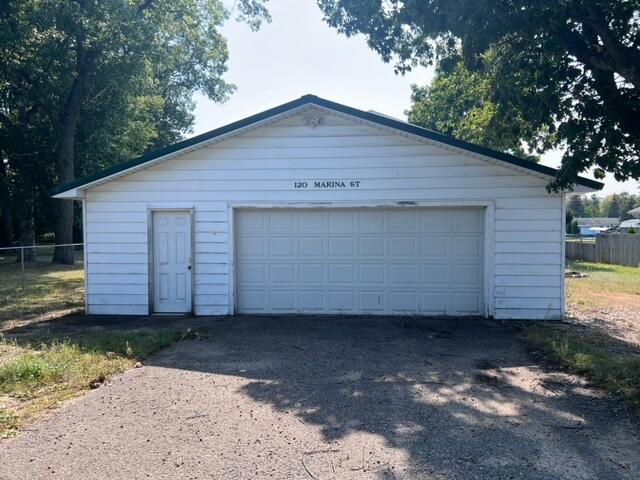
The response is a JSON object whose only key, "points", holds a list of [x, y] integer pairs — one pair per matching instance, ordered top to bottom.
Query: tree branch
{"points": [[624, 60]]}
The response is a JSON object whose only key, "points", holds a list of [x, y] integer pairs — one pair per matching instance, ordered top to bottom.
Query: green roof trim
{"points": [[321, 102]]}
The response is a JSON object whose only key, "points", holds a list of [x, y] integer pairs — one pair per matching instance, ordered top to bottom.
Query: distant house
{"points": [[635, 213], [633, 222], [629, 224], [590, 226]]}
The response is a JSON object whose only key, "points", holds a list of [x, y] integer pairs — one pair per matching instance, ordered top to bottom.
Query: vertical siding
{"points": [[261, 167]]}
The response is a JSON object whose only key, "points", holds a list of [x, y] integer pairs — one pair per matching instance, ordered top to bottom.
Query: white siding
{"points": [[262, 165]]}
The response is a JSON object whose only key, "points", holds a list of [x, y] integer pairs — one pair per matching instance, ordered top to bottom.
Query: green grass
{"points": [[614, 278], [48, 288], [612, 364], [45, 372]]}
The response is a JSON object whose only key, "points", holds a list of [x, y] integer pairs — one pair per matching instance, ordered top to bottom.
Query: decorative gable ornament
{"points": [[312, 120]]}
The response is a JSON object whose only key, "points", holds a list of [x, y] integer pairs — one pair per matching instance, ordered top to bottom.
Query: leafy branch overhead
{"points": [[570, 69]]}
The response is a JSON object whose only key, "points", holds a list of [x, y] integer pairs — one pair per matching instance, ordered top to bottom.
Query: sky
{"points": [[297, 53]]}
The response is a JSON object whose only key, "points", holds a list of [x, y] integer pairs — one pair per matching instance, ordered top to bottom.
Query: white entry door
{"points": [[425, 261], [172, 262]]}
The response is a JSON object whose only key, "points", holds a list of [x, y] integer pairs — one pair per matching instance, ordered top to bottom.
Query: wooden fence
{"points": [[616, 248]]}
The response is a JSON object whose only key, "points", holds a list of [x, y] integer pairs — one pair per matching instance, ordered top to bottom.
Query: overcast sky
{"points": [[297, 54]]}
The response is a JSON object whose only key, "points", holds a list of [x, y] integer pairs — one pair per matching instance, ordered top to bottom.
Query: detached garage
{"points": [[316, 207]]}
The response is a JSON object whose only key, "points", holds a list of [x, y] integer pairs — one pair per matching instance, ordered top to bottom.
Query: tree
{"points": [[70, 64], [572, 65], [459, 103], [627, 202], [576, 206], [592, 206], [611, 207], [568, 220], [575, 228]]}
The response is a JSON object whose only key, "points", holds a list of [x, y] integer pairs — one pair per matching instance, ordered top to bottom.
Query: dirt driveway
{"points": [[328, 398]]}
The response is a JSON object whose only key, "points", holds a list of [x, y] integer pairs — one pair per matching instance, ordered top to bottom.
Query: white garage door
{"points": [[344, 261]]}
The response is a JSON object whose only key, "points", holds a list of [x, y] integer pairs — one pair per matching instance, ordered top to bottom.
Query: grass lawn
{"points": [[605, 284], [49, 289], [602, 339], [610, 363], [37, 373]]}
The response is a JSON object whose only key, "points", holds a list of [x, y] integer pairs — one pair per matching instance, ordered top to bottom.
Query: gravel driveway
{"points": [[332, 398]]}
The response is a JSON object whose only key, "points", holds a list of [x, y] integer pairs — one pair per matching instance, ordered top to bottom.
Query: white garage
{"points": [[315, 207], [368, 260]]}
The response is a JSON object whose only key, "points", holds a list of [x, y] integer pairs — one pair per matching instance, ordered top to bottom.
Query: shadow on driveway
{"points": [[334, 398]]}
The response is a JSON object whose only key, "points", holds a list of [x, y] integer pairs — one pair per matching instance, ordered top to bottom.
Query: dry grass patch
{"points": [[48, 289], [608, 299], [610, 363], [39, 373]]}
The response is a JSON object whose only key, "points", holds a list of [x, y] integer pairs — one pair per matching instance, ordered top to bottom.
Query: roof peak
{"points": [[376, 118]]}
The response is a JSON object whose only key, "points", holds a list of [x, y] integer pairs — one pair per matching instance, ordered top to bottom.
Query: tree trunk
{"points": [[65, 152], [64, 208], [6, 227], [27, 235]]}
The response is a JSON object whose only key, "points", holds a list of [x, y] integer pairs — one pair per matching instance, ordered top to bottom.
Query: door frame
{"points": [[488, 207], [151, 269]]}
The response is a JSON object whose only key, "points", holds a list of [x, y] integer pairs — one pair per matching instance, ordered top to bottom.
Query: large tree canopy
{"points": [[573, 65], [85, 83], [459, 103]]}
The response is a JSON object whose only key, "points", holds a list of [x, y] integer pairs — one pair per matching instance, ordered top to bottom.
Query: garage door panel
{"points": [[281, 221], [341, 221], [371, 221], [404, 221], [434, 221], [466, 221], [251, 222], [312, 223], [249, 246], [281, 246], [341, 246], [434, 246], [311, 247], [371, 247], [402, 247], [395, 261], [252, 273], [283, 273], [311, 273], [342, 274], [372, 274], [403, 274], [434, 274], [467, 275], [252, 300], [283, 300], [312, 300], [343, 301], [372, 301], [403, 302], [434, 303], [465, 303]]}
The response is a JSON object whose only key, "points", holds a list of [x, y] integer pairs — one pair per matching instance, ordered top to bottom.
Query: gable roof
{"points": [[309, 100], [635, 212], [597, 222]]}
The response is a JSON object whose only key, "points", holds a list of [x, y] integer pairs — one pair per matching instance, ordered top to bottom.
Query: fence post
{"points": [[22, 268]]}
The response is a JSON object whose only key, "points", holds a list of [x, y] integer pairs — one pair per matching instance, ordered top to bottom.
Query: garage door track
{"points": [[335, 398]]}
